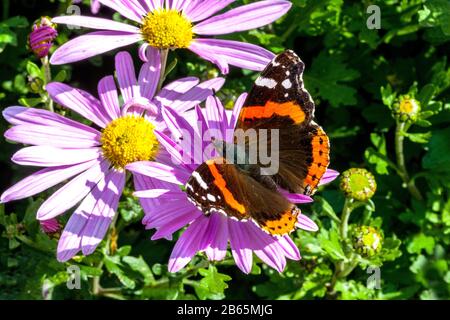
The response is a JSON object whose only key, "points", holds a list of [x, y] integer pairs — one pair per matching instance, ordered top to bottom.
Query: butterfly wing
{"points": [[279, 100], [217, 186]]}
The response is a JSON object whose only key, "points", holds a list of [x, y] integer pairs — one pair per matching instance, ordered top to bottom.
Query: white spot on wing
{"points": [[266, 82], [287, 84], [200, 181], [211, 197]]}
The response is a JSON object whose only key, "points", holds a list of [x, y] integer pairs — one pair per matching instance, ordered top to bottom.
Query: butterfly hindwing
{"points": [[217, 186]]}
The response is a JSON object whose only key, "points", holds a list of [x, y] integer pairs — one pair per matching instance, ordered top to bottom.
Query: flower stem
{"points": [[162, 77], [48, 78], [403, 172], [346, 211], [344, 268]]}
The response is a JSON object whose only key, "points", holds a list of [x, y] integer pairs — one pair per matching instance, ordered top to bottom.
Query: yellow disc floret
{"points": [[166, 29], [129, 139]]}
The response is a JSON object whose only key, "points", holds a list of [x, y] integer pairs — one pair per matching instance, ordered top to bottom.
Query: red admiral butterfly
{"points": [[278, 100]]}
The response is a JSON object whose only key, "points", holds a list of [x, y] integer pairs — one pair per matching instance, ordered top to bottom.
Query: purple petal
{"points": [[152, 5], [131, 9], [204, 9], [246, 17], [95, 23], [92, 44], [224, 52], [150, 73], [126, 76], [175, 89], [107, 92], [197, 95], [79, 101], [237, 109], [215, 113], [27, 116], [52, 136], [185, 136], [175, 151], [46, 156], [159, 171], [329, 176], [42, 180], [145, 183], [72, 192], [159, 193], [106, 196], [296, 197], [90, 221], [305, 223], [239, 242], [189, 243], [265, 247], [288, 247], [217, 250]]}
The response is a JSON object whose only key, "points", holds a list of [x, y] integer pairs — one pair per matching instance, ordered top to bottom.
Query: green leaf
{"points": [[34, 71], [61, 76], [328, 78], [426, 94], [30, 102], [419, 137], [438, 155], [329, 241], [421, 242], [124, 251], [113, 265], [139, 265], [213, 284]]}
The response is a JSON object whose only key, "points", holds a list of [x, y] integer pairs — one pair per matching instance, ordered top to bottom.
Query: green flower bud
{"points": [[36, 85], [406, 109], [358, 184], [367, 241]]}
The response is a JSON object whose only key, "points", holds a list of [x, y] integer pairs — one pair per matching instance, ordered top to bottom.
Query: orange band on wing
{"points": [[287, 109], [321, 158], [222, 185], [284, 225]]}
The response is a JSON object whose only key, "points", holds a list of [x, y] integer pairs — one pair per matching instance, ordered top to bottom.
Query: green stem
{"points": [[162, 77], [48, 78], [403, 172], [346, 211], [343, 268]]}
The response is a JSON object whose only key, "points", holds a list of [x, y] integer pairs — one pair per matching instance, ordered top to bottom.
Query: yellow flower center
{"points": [[166, 29], [408, 106], [129, 139]]}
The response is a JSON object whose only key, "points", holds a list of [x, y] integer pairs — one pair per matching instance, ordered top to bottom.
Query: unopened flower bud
{"points": [[41, 37], [36, 85], [406, 109], [358, 184], [50, 226], [367, 241]]}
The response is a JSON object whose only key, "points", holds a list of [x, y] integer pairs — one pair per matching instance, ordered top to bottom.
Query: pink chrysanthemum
{"points": [[176, 24], [96, 159], [169, 209]]}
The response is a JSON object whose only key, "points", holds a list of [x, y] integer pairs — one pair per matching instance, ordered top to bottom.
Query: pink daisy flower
{"points": [[175, 24], [95, 158], [170, 210]]}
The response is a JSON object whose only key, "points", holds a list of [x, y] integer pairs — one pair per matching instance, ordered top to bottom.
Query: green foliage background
{"points": [[354, 75]]}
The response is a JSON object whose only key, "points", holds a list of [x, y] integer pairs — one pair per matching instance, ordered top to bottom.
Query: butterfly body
{"points": [[235, 184]]}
